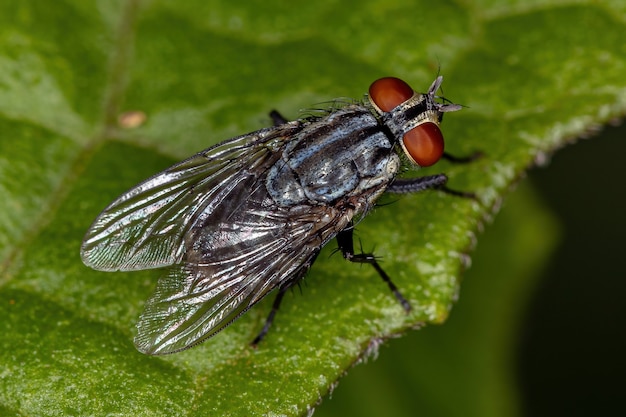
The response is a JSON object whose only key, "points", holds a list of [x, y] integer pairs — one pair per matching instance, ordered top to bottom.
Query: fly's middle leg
{"points": [[346, 245]]}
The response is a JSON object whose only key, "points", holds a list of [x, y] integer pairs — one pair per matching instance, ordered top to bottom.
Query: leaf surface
{"points": [[206, 71]]}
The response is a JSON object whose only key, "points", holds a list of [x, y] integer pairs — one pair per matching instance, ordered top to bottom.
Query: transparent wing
{"points": [[212, 221], [144, 227], [232, 261]]}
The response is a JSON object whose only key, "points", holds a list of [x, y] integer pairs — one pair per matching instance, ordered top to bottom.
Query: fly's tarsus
{"points": [[462, 159], [456, 193], [345, 240]]}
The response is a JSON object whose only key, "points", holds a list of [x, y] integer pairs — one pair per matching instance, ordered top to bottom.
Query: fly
{"points": [[251, 214]]}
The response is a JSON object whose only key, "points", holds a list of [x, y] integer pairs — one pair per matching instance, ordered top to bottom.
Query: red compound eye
{"points": [[389, 92], [424, 144]]}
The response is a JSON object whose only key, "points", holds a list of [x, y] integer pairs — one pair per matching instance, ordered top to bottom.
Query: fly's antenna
{"points": [[447, 105]]}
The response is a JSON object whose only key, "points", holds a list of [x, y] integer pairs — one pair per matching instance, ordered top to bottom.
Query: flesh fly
{"points": [[251, 214]]}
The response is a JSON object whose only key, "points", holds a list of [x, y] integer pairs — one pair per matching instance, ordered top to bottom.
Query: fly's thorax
{"points": [[337, 157]]}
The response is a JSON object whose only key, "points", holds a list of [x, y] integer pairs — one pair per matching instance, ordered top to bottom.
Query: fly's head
{"points": [[413, 118]]}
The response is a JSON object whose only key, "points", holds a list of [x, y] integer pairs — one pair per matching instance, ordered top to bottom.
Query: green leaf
{"points": [[206, 71], [463, 368]]}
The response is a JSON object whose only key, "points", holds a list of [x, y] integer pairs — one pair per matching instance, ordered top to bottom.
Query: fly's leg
{"points": [[277, 118], [462, 159], [459, 160], [430, 182], [433, 182], [346, 245], [295, 279], [270, 318]]}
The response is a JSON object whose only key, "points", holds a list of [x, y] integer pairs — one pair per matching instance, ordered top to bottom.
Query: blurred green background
{"points": [[573, 341]]}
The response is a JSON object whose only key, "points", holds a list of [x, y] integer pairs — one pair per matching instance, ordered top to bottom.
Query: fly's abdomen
{"points": [[340, 156]]}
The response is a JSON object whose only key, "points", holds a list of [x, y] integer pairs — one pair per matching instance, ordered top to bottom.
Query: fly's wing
{"points": [[213, 220], [144, 227], [243, 251]]}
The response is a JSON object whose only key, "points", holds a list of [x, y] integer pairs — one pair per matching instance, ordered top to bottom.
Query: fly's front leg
{"points": [[462, 159], [430, 182], [346, 245]]}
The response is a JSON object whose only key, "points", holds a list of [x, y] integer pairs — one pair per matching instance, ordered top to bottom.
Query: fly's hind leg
{"points": [[346, 245], [295, 279], [270, 318]]}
